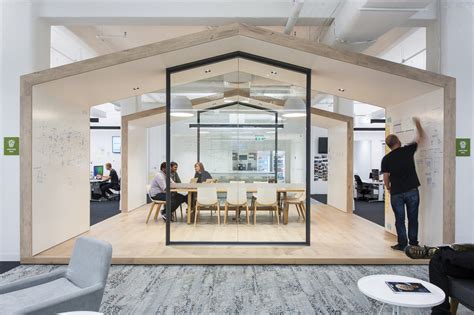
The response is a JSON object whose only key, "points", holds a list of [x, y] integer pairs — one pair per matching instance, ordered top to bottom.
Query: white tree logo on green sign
{"points": [[11, 143], [463, 145]]}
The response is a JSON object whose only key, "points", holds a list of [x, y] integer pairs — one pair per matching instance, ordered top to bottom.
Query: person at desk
{"points": [[201, 174], [401, 180], [111, 181], [158, 191]]}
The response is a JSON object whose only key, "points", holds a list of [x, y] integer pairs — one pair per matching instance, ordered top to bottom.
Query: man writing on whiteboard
{"points": [[401, 180]]}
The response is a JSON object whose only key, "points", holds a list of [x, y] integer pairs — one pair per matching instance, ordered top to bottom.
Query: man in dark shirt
{"points": [[401, 180], [113, 181], [455, 261]]}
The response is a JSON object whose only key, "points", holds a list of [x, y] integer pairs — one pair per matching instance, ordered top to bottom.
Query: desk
{"points": [[95, 187], [380, 187], [191, 188]]}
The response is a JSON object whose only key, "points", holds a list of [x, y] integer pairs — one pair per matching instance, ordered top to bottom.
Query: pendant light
{"points": [[181, 106], [294, 107]]}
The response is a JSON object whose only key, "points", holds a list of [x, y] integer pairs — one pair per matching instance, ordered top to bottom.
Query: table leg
{"points": [[189, 209], [285, 213]]}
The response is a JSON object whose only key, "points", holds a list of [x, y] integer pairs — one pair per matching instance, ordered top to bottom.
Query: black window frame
{"points": [[256, 58]]}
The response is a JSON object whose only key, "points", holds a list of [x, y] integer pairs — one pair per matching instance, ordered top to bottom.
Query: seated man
{"points": [[112, 182], [158, 191], [456, 260]]}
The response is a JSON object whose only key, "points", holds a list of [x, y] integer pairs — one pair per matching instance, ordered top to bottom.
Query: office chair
{"points": [[361, 188]]}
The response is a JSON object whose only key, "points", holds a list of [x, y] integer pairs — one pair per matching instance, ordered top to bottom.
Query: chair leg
{"points": [[158, 209], [181, 209], [226, 209], [303, 210], [150, 212], [196, 213], [247, 213], [255, 213], [218, 214], [277, 215], [454, 305]]}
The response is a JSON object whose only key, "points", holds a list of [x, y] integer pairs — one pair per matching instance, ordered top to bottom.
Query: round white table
{"points": [[375, 287]]}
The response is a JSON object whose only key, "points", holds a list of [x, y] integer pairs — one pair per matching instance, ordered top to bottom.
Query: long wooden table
{"points": [[191, 188]]}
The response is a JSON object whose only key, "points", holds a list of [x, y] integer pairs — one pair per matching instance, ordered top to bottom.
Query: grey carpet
{"points": [[103, 210], [372, 211], [330, 289]]}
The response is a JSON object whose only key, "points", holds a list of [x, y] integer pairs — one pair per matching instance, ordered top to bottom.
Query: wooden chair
{"points": [[211, 181], [207, 197], [236, 197], [266, 199], [299, 201], [157, 203], [160, 203]]}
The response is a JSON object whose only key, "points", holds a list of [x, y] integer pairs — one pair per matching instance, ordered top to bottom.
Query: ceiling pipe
{"points": [[295, 13], [358, 24]]}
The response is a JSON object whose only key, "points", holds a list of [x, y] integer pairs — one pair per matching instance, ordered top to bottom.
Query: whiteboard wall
{"points": [[428, 159], [60, 170]]}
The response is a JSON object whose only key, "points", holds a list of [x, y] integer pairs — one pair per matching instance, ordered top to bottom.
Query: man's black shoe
{"points": [[398, 247], [421, 252]]}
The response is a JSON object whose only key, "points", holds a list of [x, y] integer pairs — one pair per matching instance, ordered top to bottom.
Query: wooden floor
{"points": [[336, 238]]}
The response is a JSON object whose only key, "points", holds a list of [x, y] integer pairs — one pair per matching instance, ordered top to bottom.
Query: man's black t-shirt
{"points": [[400, 163], [113, 177]]}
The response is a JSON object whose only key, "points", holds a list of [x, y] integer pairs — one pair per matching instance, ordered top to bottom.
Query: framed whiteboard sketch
{"points": [[116, 144]]}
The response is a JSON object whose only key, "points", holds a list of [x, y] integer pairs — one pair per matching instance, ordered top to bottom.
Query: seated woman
{"points": [[201, 174]]}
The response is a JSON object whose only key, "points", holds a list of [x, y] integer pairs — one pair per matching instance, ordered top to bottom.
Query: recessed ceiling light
{"points": [[207, 71], [273, 72], [136, 88], [341, 90]]}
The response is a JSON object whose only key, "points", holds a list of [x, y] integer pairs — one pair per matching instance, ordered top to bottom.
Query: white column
{"points": [[25, 45], [456, 51]]}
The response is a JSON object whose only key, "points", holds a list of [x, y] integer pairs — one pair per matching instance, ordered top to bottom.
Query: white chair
{"points": [[207, 197], [236, 197], [266, 199], [157, 203]]}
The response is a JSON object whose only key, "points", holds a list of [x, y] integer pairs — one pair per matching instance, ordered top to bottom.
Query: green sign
{"points": [[11, 146], [463, 147]]}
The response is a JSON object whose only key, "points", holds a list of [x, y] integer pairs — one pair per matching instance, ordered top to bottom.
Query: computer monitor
{"points": [[98, 170], [375, 174]]}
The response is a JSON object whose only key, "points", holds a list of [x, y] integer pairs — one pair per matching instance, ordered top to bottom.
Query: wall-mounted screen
{"points": [[116, 144], [322, 145]]}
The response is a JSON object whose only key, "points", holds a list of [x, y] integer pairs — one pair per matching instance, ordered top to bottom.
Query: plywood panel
{"points": [[429, 160], [60, 170]]}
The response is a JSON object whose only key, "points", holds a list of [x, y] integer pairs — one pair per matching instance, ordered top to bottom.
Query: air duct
{"points": [[358, 24]]}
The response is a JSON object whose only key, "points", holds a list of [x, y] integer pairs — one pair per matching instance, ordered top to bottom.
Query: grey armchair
{"points": [[78, 288]]}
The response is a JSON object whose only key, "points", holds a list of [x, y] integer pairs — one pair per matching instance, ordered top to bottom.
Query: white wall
{"points": [[413, 44], [24, 46], [66, 47], [456, 50], [101, 149], [368, 151], [428, 159], [137, 166], [337, 166], [317, 187]]}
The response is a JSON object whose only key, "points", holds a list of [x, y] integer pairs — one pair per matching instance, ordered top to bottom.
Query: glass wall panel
{"points": [[238, 135]]}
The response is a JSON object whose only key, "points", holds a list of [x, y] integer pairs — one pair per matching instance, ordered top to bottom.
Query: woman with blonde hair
{"points": [[201, 174]]}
